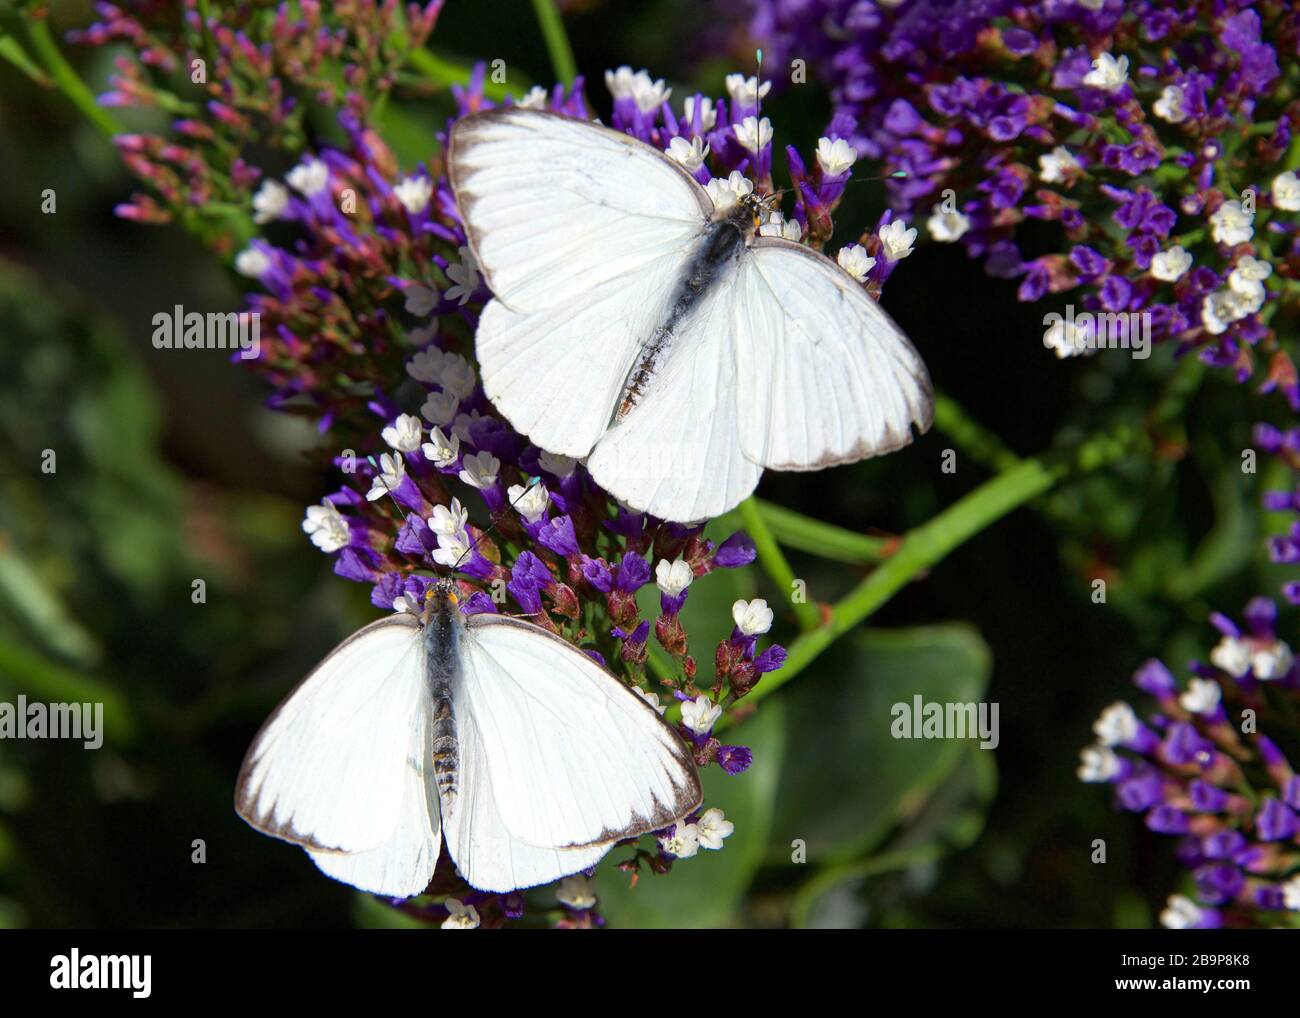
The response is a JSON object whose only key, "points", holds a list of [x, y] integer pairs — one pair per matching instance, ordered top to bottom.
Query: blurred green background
{"points": [[169, 469]]}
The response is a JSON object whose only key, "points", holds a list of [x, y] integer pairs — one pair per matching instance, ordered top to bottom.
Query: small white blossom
{"points": [[1107, 74], [638, 86], [746, 91], [534, 99], [1170, 105], [708, 115], [753, 134], [690, 153], [835, 157], [1057, 165], [309, 177], [1286, 191], [414, 193], [726, 193], [272, 198], [1231, 224], [777, 225], [947, 227], [896, 240], [854, 260], [252, 262], [1170, 265], [464, 276], [420, 299], [1220, 309], [1067, 339], [425, 365], [456, 375], [440, 408], [464, 423], [405, 434], [441, 450], [560, 466], [480, 470], [391, 471], [531, 502], [449, 520], [326, 526], [452, 549], [673, 577], [753, 618], [1231, 655], [1271, 660], [1201, 697], [651, 698], [700, 714], [1117, 724], [1098, 764], [713, 828], [684, 842], [575, 892], [1291, 893], [1181, 913], [463, 917]]}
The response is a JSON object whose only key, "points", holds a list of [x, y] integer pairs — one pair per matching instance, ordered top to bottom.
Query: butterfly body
{"points": [[441, 637]]}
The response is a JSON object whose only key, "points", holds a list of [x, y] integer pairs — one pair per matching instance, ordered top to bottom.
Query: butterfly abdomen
{"points": [[441, 635]]}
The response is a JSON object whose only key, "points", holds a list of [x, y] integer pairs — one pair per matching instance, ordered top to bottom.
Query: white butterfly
{"points": [[662, 338], [487, 731]]}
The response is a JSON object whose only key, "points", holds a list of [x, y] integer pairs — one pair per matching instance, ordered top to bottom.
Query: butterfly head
{"points": [[441, 598]]}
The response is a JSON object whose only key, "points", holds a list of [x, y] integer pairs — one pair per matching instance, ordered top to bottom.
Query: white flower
{"points": [[1107, 73], [746, 91], [647, 94], [534, 99], [1170, 105], [708, 115], [753, 134], [689, 153], [835, 157], [1057, 165], [309, 177], [1286, 191], [414, 193], [726, 193], [272, 198], [1231, 224], [778, 226], [947, 227], [896, 240], [855, 261], [252, 262], [1170, 265], [1252, 269], [464, 275], [1247, 281], [420, 299], [1220, 309], [1067, 339], [425, 365], [456, 375], [440, 408], [464, 423], [405, 434], [441, 450], [560, 466], [480, 470], [391, 471], [531, 502], [449, 521], [326, 527], [452, 549], [673, 577], [752, 618], [1231, 655], [1271, 660], [1201, 697], [651, 698], [700, 714], [1117, 724], [1097, 764], [713, 828], [684, 842], [576, 893], [1291, 893], [1180, 914], [463, 917]]}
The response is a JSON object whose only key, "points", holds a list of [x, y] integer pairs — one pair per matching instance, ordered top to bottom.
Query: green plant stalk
{"points": [[557, 42], [446, 72], [66, 79], [971, 437], [804, 533], [773, 561], [860, 869]]}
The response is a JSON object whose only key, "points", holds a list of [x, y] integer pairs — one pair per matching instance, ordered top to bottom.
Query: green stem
{"points": [[557, 42], [43, 45], [446, 72], [971, 437], [803, 533], [775, 564], [860, 869]]}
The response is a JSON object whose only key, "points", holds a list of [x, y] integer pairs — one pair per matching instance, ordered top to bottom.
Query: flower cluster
{"points": [[1154, 140], [1200, 768]]}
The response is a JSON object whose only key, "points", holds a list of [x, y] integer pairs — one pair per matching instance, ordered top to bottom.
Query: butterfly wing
{"points": [[824, 376], [676, 454], [575, 758], [334, 768]]}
